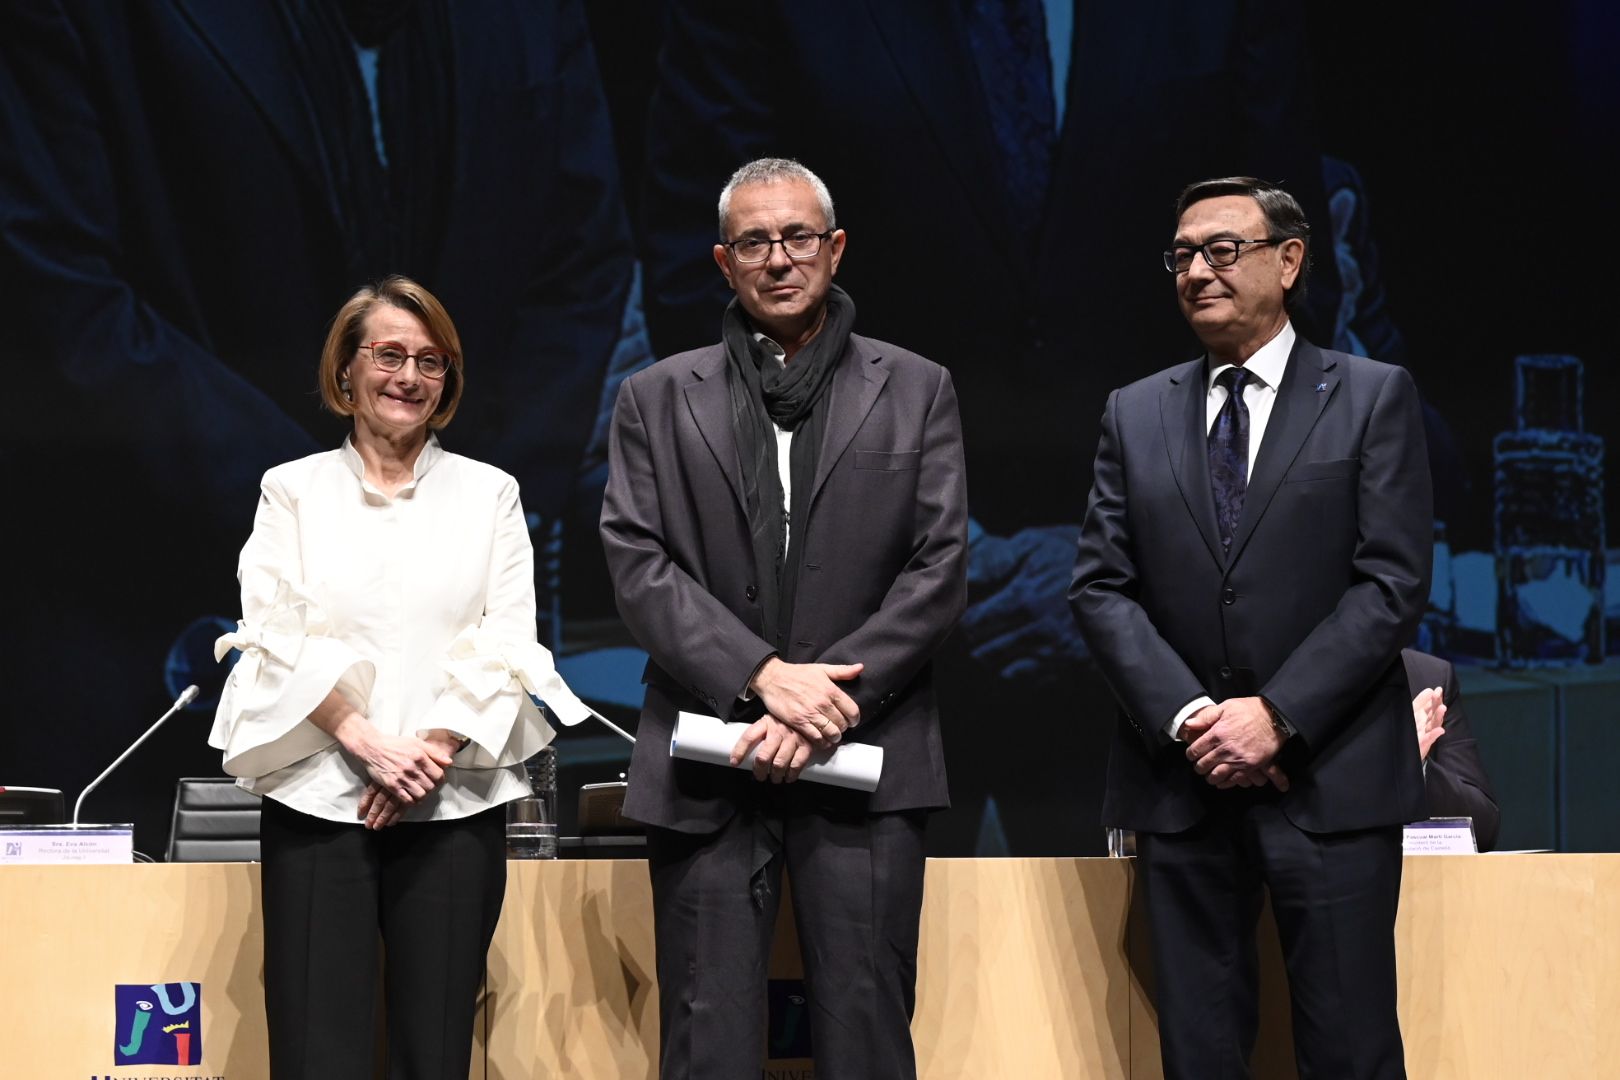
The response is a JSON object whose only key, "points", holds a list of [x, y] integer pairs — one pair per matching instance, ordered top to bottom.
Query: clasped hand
{"points": [[806, 698], [804, 711], [1234, 744], [780, 752], [402, 770]]}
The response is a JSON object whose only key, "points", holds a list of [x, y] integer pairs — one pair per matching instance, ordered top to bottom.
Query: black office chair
{"points": [[31, 806], [214, 821]]}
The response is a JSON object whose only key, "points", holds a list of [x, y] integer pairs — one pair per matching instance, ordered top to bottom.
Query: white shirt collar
{"points": [[775, 351], [1267, 364], [430, 455]]}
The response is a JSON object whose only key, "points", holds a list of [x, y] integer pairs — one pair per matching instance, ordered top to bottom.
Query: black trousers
{"points": [[428, 894], [1334, 897], [857, 903]]}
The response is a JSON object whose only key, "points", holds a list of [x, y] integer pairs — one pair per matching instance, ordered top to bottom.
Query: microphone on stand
{"points": [[187, 696], [611, 726]]}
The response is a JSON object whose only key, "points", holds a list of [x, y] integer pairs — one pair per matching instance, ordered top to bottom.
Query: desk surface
{"points": [[1029, 967]]}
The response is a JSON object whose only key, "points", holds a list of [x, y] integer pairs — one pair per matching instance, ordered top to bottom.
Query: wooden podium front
{"points": [[1028, 968]]}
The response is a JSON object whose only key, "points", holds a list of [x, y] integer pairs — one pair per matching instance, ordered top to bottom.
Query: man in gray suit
{"points": [[785, 523], [1255, 553]]}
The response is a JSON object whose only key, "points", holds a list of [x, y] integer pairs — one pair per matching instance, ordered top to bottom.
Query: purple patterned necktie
{"points": [[1008, 39], [1229, 453]]}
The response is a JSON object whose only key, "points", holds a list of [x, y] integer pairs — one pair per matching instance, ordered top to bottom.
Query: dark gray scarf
{"points": [[789, 398]]}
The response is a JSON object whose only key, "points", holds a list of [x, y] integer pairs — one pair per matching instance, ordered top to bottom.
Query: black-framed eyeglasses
{"points": [[799, 245], [1178, 260], [390, 356]]}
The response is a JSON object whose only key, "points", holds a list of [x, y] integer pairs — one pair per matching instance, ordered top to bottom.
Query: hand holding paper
{"points": [[709, 739], [778, 752]]}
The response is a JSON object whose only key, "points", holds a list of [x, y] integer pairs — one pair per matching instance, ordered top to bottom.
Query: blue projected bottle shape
{"points": [[1549, 523]]}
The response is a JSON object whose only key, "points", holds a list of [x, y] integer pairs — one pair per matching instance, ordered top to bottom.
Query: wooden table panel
{"points": [[1028, 967]]}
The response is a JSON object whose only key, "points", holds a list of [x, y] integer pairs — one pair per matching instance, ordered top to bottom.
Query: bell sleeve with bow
{"points": [[290, 660], [496, 669]]}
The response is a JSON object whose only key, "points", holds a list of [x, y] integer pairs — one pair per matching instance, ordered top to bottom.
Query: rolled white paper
{"points": [[710, 740]]}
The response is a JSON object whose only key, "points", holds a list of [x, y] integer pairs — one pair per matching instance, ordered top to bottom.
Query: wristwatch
{"points": [[1277, 721]]}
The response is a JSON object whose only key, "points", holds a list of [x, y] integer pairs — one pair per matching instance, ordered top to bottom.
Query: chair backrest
{"points": [[31, 806], [601, 810], [214, 821]]}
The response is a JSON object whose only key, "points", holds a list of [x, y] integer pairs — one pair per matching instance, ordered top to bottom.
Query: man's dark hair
{"points": [[1285, 220]]}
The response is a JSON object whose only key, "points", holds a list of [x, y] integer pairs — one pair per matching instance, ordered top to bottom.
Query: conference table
{"points": [[1029, 968]]}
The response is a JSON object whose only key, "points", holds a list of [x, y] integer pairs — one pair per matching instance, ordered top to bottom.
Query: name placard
{"points": [[1439, 836], [66, 845]]}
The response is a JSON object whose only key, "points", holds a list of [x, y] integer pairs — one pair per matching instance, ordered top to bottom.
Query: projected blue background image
{"points": [[188, 192]]}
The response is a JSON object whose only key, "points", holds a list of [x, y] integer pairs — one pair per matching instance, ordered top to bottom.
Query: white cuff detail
{"points": [[485, 664]]}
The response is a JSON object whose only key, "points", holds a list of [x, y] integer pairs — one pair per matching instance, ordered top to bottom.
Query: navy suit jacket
{"points": [[883, 579], [1325, 582], [1455, 779]]}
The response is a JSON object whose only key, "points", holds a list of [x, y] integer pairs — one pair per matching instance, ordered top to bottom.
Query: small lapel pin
{"points": [[1321, 387]]}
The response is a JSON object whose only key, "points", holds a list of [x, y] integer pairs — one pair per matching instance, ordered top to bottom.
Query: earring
{"points": [[343, 385]]}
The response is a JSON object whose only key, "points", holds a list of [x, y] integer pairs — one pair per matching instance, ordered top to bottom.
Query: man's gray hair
{"points": [[774, 170]]}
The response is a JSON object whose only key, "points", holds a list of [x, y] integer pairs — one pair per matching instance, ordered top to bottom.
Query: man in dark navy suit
{"points": [[1255, 553]]}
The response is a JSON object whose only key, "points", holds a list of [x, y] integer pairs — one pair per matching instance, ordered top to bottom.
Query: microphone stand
{"points": [[187, 696], [611, 726]]}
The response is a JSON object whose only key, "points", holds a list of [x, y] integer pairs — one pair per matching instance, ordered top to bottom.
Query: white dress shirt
{"points": [[775, 354], [1265, 369], [418, 608]]}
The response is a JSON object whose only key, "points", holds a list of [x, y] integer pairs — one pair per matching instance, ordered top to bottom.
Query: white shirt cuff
{"points": [[1173, 728]]}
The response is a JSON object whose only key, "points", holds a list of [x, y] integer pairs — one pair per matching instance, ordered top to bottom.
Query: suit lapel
{"points": [[928, 43], [251, 44], [1107, 55], [854, 390], [708, 396], [1299, 405], [1181, 411]]}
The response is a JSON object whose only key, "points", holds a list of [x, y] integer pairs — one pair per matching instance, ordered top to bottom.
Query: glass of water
{"points": [[531, 822]]}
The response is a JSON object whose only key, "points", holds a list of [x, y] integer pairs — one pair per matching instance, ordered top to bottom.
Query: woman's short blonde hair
{"points": [[343, 342]]}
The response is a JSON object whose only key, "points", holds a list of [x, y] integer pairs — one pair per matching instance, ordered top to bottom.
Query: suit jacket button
{"points": [[751, 592], [1228, 595], [1226, 673]]}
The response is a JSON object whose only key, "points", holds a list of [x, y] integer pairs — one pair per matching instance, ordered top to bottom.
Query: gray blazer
{"points": [[883, 579]]}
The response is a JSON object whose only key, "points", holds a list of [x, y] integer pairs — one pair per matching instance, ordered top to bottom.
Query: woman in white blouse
{"points": [[381, 706]]}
